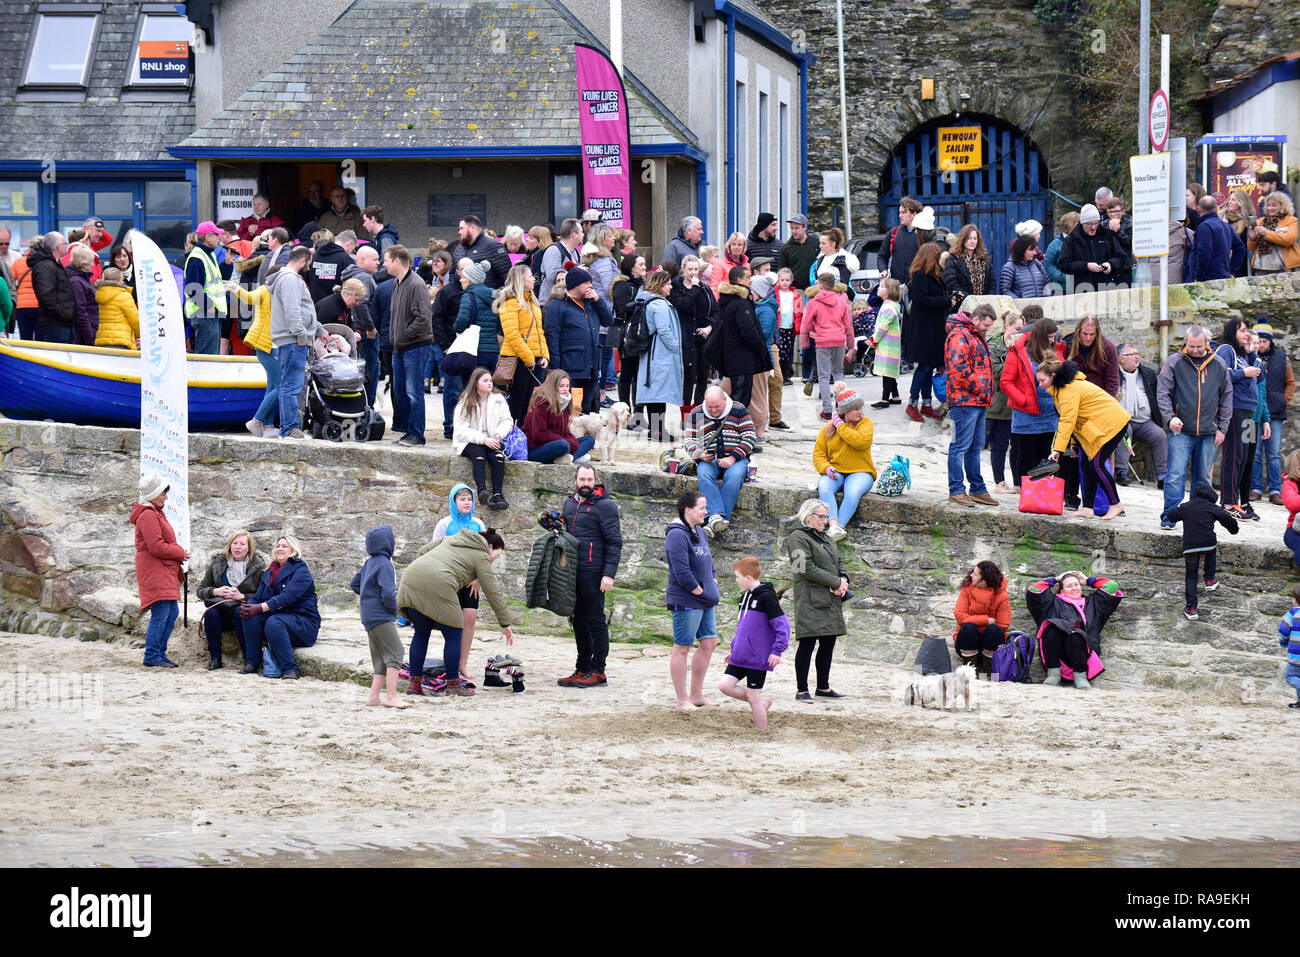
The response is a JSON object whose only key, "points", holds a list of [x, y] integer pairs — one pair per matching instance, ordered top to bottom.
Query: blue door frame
{"points": [[98, 175], [1011, 187]]}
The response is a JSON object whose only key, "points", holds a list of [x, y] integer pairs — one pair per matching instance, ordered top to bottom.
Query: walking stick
{"points": [[185, 594]]}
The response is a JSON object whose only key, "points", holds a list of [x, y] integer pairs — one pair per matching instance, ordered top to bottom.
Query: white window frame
{"points": [[62, 12], [133, 80], [740, 178], [784, 185]]}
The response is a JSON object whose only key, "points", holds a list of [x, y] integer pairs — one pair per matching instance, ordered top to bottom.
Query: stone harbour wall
{"points": [[67, 552]]}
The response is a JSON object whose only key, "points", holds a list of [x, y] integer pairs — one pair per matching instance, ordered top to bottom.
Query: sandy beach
{"points": [[137, 753]]}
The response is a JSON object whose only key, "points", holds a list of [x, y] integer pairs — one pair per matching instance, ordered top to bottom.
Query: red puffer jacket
{"points": [[968, 363], [1018, 379], [157, 556]]}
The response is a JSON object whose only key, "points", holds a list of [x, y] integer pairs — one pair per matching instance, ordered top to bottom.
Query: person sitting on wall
{"points": [[232, 575], [282, 612], [1069, 625]]}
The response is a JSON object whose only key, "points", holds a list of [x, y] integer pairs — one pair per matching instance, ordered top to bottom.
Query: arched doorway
{"points": [[1010, 186]]}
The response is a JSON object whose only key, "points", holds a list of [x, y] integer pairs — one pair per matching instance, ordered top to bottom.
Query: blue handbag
{"points": [[515, 444]]}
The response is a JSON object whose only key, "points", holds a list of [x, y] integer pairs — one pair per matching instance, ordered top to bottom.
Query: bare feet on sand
{"points": [[372, 701], [703, 702], [396, 703], [686, 705]]}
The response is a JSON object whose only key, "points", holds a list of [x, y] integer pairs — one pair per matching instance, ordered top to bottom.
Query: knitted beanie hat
{"points": [[477, 272], [575, 276], [1261, 329], [846, 400], [151, 486]]}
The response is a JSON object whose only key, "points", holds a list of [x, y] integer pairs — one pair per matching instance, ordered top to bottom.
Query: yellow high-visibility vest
{"points": [[212, 286]]}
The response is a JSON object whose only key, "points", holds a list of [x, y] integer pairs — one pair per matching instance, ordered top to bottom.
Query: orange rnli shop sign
{"points": [[164, 60], [960, 147]]}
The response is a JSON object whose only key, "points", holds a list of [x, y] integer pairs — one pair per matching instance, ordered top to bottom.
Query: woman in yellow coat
{"points": [[119, 319], [522, 336], [1092, 415], [263, 424], [842, 457]]}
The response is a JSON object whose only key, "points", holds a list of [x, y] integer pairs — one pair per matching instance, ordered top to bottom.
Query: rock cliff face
{"points": [[1244, 33], [994, 57], [66, 549]]}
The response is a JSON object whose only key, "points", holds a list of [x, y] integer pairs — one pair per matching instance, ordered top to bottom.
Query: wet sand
{"points": [[157, 766]]}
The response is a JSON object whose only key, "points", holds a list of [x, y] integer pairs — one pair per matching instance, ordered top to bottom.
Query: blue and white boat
{"points": [[89, 385]]}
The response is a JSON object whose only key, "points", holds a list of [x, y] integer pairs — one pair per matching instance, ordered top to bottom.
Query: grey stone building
{"points": [[435, 109], [85, 130]]}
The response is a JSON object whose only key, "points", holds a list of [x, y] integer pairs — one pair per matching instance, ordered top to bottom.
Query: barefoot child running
{"points": [[376, 583], [762, 633]]}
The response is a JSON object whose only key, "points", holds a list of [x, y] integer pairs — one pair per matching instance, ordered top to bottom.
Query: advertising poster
{"points": [[603, 121], [1231, 169], [164, 389]]}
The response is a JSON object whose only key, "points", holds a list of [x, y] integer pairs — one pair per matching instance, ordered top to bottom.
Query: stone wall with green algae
{"points": [[67, 553]]}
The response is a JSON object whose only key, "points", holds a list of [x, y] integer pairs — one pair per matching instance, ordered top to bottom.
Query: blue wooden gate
{"points": [[1011, 186]]}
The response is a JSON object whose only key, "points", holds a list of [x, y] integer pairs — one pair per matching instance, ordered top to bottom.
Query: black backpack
{"points": [[636, 331]]}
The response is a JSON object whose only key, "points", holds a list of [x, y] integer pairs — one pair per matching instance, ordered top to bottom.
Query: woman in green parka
{"points": [[820, 585], [427, 596]]}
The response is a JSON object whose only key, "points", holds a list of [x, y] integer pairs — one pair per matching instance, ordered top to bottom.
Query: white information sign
{"points": [[1150, 176], [235, 198]]}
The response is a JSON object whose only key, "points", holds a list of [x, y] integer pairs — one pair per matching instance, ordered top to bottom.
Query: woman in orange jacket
{"points": [[983, 614]]}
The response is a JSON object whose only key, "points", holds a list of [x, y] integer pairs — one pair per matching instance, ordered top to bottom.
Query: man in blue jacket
{"points": [[1212, 248], [572, 327]]}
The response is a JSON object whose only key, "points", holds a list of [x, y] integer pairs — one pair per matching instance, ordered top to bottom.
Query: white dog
{"points": [[604, 427], [955, 690]]}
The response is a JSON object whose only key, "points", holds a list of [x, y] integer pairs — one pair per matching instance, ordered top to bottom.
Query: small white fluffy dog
{"points": [[604, 427], [953, 691]]}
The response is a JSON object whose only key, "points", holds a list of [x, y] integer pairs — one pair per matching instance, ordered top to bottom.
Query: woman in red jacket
{"points": [[1033, 413], [547, 423], [157, 568], [983, 614]]}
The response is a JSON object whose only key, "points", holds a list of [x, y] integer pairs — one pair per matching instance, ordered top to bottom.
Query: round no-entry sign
{"points": [[1159, 121]]}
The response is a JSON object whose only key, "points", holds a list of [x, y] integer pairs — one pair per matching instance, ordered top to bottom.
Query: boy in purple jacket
{"points": [[762, 633]]}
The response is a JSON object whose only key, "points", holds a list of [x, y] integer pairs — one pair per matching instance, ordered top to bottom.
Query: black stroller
{"points": [[334, 397]]}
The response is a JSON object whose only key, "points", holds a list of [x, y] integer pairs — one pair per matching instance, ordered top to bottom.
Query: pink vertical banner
{"points": [[603, 122]]}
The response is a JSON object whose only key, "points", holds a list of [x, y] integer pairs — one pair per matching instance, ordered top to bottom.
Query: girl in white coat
{"points": [[481, 423]]}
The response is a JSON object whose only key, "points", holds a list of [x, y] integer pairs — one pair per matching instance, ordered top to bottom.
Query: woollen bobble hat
{"points": [[1089, 214], [924, 219], [764, 220], [205, 227], [1030, 227], [477, 272], [575, 277], [762, 286], [1262, 329], [846, 400], [151, 486]]}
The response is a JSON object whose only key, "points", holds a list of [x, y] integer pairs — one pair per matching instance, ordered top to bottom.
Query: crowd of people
{"points": [[521, 334]]}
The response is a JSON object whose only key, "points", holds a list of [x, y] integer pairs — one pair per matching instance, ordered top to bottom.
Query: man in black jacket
{"points": [[762, 239], [901, 243], [477, 245], [1093, 256], [327, 265], [56, 318], [740, 352], [1138, 396], [591, 517]]}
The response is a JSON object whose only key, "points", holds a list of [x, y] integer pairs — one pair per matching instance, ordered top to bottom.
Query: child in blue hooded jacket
{"points": [[461, 503], [376, 583], [762, 634], [1288, 634]]}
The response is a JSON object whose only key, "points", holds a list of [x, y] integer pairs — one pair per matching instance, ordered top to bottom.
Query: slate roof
{"points": [[403, 75], [103, 127]]}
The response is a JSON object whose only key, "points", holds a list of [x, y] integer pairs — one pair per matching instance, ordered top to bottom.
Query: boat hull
{"points": [[85, 385]]}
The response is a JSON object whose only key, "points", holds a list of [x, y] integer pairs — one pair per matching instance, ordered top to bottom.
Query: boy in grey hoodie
{"points": [[376, 583]]}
